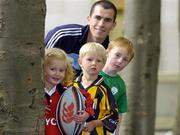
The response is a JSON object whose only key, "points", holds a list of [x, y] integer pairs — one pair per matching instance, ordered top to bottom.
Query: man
{"points": [[70, 37]]}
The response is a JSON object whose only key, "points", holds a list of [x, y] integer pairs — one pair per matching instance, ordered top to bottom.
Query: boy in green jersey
{"points": [[119, 53]]}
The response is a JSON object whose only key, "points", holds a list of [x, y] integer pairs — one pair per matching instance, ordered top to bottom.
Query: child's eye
{"points": [[118, 55], [89, 59], [126, 59], [99, 61], [52, 69], [61, 70]]}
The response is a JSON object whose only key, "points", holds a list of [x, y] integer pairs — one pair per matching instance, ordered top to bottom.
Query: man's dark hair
{"points": [[106, 5]]}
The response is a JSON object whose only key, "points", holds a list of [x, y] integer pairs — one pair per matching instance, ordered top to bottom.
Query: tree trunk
{"points": [[142, 26], [21, 76], [177, 119]]}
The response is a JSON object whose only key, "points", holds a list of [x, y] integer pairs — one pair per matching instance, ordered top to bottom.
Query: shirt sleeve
{"points": [[53, 38], [88, 102], [110, 120]]}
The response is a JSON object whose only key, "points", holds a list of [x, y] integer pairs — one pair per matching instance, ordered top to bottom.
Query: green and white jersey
{"points": [[118, 89]]}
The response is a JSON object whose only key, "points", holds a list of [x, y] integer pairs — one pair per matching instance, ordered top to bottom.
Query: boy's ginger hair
{"points": [[122, 42], [56, 53]]}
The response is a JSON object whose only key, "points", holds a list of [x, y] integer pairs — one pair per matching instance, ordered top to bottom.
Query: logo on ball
{"points": [[70, 102]]}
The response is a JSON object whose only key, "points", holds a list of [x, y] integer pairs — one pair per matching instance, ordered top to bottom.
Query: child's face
{"points": [[117, 59], [91, 64], [54, 72]]}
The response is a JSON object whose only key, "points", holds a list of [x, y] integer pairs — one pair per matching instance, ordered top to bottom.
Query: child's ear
{"points": [[107, 54], [79, 61]]}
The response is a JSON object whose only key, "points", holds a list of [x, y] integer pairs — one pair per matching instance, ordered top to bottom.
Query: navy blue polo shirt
{"points": [[70, 38]]}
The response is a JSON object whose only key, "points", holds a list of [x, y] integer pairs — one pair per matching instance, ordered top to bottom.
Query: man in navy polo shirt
{"points": [[70, 37]]}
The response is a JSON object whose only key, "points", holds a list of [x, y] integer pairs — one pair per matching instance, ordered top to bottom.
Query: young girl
{"points": [[92, 57], [58, 73]]}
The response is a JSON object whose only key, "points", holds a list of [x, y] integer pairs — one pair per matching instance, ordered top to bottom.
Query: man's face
{"points": [[101, 22]]}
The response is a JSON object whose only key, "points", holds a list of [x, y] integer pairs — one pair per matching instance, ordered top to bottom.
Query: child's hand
{"points": [[81, 117], [89, 126]]}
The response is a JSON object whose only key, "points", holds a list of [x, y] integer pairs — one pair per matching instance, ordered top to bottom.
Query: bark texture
{"points": [[142, 26], [21, 55], [177, 119]]}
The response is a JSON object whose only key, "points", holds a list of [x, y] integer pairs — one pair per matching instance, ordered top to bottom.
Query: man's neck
{"points": [[91, 39]]}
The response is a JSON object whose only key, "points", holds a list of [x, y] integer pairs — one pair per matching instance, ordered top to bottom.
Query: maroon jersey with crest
{"points": [[51, 127]]}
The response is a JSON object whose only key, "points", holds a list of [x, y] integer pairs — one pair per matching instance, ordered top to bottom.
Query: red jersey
{"points": [[51, 127]]}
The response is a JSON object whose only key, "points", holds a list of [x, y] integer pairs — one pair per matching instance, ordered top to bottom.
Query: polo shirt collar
{"points": [[51, 91]]}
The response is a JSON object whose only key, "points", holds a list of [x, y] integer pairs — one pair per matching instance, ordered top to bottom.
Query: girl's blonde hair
{"points": [[122, 42], [93, 47], [55, 53]]}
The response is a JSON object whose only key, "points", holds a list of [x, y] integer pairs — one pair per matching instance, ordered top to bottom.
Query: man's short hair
{"points": [[106, 5]]}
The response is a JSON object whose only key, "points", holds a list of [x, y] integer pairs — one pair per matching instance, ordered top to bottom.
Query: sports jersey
{"points": [[70, 38], [118, 89], [51, 99], [103, 105]]}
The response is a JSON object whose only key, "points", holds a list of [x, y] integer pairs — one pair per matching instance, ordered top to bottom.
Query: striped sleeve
{"points": [[56, 34], [110, 120]]}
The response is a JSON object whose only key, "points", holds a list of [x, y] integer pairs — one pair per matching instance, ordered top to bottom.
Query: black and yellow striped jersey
{"points": [[103, 105]]}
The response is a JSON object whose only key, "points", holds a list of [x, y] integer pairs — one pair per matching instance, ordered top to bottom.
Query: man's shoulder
{"points": [[69, 26], [66, 28], [72, 31]]}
